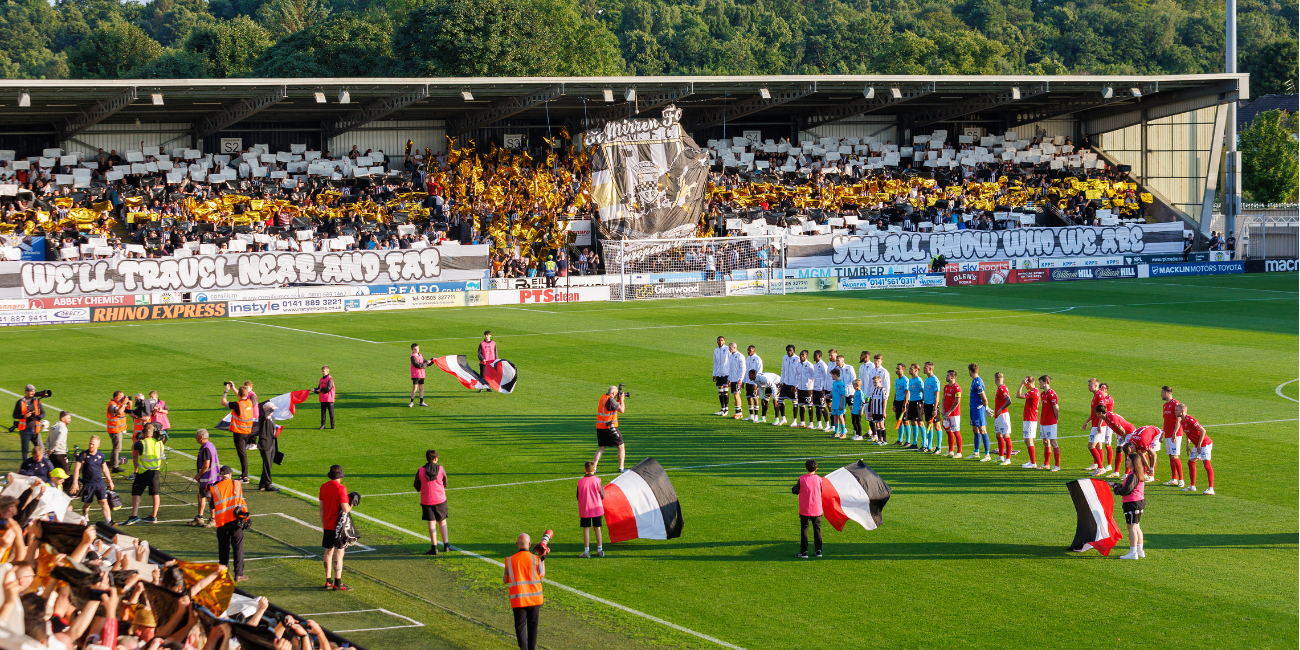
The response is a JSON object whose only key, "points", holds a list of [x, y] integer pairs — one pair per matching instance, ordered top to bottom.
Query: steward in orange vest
{"points": [[228, 508], [523, 578]]}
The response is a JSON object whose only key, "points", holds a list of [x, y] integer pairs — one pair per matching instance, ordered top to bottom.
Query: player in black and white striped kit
{"points": [[721, 356], [769, 390], [787, 392], [876, 398]]}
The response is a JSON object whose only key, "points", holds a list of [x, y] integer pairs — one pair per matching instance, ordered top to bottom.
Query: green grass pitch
{"points": [[969, 555]]}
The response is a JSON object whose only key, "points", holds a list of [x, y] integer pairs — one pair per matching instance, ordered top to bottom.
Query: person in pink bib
{"points": [[487, 353], [418, 364], [325, 391], [159, 413], [431, 483], [809, 489], [591, 508]]}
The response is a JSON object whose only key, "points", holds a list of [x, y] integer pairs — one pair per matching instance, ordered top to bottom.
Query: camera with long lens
{"points": [[622, 392], [45, 394]]}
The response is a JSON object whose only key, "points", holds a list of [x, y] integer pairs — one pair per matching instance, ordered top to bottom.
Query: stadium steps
{"points": [[1162, 210]]}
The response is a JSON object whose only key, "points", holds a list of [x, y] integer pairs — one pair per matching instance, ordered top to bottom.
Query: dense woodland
{"points": [[309, 38]]}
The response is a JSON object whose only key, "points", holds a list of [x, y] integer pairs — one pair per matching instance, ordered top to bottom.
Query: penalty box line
{"points": [[412, 622]]}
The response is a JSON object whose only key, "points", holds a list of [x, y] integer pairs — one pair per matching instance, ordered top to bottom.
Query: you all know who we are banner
{"points": [[962, 245], [241, 271]]}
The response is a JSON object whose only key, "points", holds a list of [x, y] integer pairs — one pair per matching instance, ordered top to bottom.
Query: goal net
{"points": [[640, 269]]}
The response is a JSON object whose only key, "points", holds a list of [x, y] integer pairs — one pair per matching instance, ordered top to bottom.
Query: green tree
{"points": [[292, 16], [489, 38], [339, 46], [229, 47], [112, 48], [172, 64], [1273, 67], [1270, 161]]}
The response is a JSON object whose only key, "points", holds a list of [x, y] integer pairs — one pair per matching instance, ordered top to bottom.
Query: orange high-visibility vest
{"points": [[36, 408], [605, 418], [116, 422], [241, 422], [227, 496], [523, 579]]}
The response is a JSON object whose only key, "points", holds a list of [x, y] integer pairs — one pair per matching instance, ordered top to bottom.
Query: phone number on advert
{"points": [[313, 302], [14, 319]]}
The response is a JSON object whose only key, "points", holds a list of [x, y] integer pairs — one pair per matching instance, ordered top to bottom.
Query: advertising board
{"points": [[1196, 268], [157, 312]]}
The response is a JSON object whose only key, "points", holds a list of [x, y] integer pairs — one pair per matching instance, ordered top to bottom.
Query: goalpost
{"points": [[640, 269]]}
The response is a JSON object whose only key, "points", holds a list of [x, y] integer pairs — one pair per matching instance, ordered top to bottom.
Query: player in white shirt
{"points": [[721, 355], [753, 363], [846, 371], [866, 371], [735, 375], [804, 379], [821, 386], [769, 390], [788, 390]]}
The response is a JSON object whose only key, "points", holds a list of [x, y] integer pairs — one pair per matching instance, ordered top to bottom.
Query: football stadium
{"points": [[898, 361]]}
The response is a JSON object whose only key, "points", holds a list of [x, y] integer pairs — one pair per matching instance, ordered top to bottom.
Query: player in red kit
{"points": [[1028, 392], [952, 413], [1002, 418], [1050, 418], [1099, 435], [1173, 437], [1146, 438], [1199, 447]]}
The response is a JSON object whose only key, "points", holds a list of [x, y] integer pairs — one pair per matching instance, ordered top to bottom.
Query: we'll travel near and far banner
{"points": [[888, 247], [245, 271]]}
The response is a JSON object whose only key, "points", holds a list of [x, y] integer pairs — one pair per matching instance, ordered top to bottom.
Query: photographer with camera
{"points": [[607, 409], [28, 413], [115, 419], [230, 514], [523, 578]]}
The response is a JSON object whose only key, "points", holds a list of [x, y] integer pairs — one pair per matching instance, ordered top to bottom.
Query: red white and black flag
{"points": [[500, 374], [854, 492], [641, 503], [1093, 503]]}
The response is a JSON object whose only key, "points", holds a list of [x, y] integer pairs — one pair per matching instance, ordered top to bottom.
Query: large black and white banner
{"points": [[648, 177], [1076, 241], [244, 271]]}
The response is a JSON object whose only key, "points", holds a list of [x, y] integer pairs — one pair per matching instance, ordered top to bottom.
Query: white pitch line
{"points": [[527, 309], [1035, 311], [293, 329], [1278, 390], [1233, 424], [548, 581], [414, 623]]}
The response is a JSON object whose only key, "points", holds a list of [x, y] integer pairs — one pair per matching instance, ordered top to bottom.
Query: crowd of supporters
{"points": [[150, 203], [68, 583]]}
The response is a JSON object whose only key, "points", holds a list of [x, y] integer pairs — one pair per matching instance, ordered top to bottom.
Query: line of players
{"points": [[820, 391]]}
